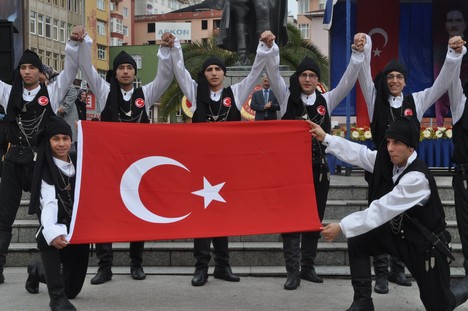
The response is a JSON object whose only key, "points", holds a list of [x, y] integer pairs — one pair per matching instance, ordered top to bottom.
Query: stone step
{"points": [[175, 253]]}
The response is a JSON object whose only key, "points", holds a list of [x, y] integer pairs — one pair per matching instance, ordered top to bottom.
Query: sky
{"points": [[292, 7]]}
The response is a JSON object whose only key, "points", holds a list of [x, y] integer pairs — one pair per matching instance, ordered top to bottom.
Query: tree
{"points": [[196, 53]]}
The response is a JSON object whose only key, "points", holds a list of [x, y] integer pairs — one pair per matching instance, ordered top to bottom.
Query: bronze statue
{"points": [[243, 22]]}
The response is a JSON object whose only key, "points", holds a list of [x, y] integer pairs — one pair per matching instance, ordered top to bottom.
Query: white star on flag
{"points": [[377, 52], [209, 192]]}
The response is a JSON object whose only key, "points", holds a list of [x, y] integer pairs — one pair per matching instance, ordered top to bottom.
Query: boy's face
{"points": [[125, 75], [30, 76], [215, 76], [308, 81], [395, 82], [60, 145], [399, 152]]}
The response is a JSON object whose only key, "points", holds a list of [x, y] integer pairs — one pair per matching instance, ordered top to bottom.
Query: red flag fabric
{"points": [[381, 21], [140, 182]]}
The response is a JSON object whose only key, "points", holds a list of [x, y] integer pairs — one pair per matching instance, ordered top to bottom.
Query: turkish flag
{"points": [[381, 21], [140, 182]]}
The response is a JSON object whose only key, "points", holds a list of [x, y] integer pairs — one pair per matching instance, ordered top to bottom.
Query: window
{"points": [[62, 4], [322, 4], [101, 5], [112, 6], [303, 7], [125, 12], [32, 22], [217, 23], [204, 24], [40, 25], [116, 25], [48, 27], [101, 27], [151, 27], [304, 28], [55, 29], [125, 30], [62, 33], [116, 42], [101, 50], [41, 55], [48, 58], [138, 60], [55, 62], [102, 74], [137, 83]]}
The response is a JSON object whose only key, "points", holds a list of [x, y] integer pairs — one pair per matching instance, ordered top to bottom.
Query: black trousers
{"points": [[15, 179], [459, 183], [306, 242], [201, 252], [106, 256], [65, 269], [434, 284]]}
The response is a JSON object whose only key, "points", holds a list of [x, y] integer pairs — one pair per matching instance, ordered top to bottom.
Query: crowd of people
{"points": [[405, 218]]}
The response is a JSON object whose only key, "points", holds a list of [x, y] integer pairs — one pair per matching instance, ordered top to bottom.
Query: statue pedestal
{"points": [[235, 74]]}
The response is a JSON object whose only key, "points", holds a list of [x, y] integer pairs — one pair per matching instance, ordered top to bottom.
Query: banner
{"points": [[380, 20], [139, 182]]}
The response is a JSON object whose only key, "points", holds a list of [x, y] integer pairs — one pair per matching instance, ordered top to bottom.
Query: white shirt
{"points": [[100, 87], [58, 89], [241, 90], [332, 98], [423, 99], [412, 189], [49, 205]]}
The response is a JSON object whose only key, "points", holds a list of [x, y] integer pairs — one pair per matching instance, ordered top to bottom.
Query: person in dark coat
{"points": [[264, 102]]}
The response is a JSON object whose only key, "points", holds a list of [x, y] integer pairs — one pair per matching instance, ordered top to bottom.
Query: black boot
{"points": [[5, 238], [308, 254], [136, 257], [292, 260], [397, 272], [225, 273], [381, 274], [35, 276], [102, 276], [200, 277], [362, 284], [460, 291], [58, 299]]}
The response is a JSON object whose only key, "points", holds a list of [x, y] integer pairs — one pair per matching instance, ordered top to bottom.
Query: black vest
{"points": [[33, 110], [222, 110], [133, 111], [317, 113], [384, 115], [460, 138], [380, 181], [67, 197], [431, 215]]}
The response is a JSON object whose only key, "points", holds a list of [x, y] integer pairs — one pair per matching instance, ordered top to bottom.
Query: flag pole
{"points": [[348, 53]]}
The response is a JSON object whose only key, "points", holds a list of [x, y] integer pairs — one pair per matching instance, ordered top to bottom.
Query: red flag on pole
{"points": [[381, 21], [167, 181]]}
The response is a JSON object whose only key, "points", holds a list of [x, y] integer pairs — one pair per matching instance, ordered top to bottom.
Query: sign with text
{"points": [[183, 31]]}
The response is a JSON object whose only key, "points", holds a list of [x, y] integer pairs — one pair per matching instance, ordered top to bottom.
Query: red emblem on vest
{"points": [[43, 101], [140, 102], [227, 102], [321, 110], [408, 112]]}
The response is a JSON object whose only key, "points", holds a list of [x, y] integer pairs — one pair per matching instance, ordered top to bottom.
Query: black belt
{"points": [[461, 168]]}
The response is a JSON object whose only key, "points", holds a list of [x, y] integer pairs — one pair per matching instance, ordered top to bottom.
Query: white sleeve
{"points": [[164, 75], [184, 79], [365, 79], [64, 80], [347, 81], [277, 83], [98, 85], [243, 89], [5, 90], [426, 98], [457, 100], [350, 152], [412, 189], [49, 206]]}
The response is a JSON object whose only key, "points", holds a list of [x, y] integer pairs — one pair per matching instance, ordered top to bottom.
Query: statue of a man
{"points": [[243, 22]]}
